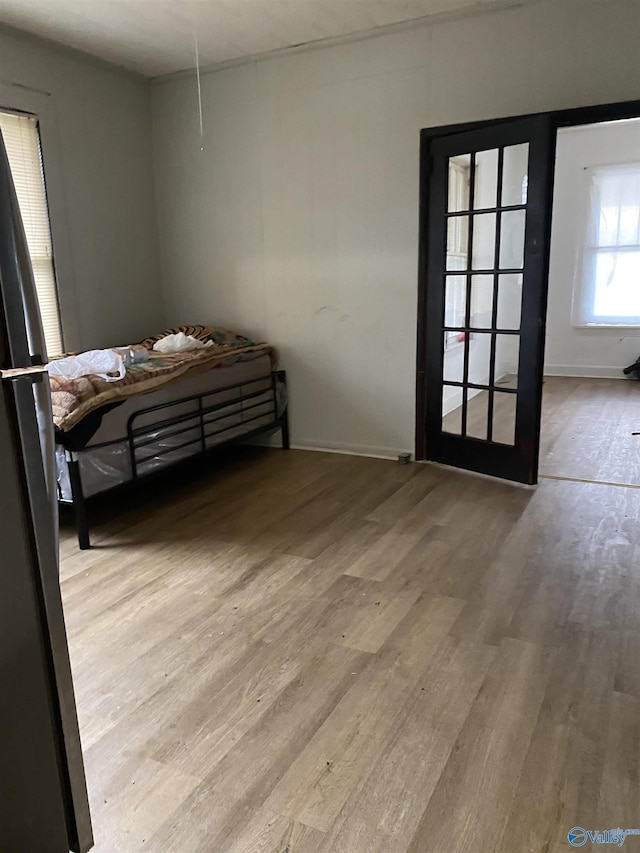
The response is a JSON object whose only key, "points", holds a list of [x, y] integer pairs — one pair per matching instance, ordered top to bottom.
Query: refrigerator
{"points": [[43, 797]]}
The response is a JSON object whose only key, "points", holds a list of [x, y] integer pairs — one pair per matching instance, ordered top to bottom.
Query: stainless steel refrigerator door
{"points": [[44, 414], [44, 541], [33, 808]]}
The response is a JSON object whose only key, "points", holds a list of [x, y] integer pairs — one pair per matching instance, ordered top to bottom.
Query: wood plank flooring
{"points": [[587, 429], [314, 653]]}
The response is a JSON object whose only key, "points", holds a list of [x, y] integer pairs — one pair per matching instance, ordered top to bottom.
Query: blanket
{"points": [[72, 399]]}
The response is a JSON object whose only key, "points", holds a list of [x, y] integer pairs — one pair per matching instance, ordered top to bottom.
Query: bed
{"points": [[117, 441]]}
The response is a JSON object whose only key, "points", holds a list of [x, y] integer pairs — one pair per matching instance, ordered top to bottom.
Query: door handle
{"points": [[36, 372]]}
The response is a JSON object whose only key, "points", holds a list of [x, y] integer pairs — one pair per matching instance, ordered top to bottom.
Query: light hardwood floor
{"points": [[587, 429], [313, 653]]}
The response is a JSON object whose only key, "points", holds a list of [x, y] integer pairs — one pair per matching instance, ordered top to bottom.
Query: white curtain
{"points": [[610, 293]]}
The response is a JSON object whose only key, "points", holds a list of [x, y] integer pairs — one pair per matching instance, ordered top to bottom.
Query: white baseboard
{"points": [[583, 371], [334, 447], [352, 449]]}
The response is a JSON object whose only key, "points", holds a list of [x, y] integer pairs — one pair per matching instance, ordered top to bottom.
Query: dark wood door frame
{"points": [[558, 119]]}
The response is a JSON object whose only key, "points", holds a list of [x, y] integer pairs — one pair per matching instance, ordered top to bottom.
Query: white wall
{"points": [[96, 137], [298, 222], [572, 351]]}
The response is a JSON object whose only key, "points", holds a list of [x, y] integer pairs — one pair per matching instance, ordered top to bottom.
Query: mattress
{"points": [[165, 424]]}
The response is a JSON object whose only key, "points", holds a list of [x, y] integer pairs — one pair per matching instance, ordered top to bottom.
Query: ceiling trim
{"points": [[317, 44]]}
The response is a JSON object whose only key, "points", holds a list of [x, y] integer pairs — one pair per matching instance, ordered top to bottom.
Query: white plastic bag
{"points": [[179, 343], [105, 363]]}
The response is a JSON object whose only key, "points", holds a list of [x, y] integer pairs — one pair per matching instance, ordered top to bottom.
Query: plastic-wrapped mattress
{"points": [[151, 431]]}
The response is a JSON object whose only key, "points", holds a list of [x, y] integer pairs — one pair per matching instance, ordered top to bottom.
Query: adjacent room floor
{"points": [[587, 429], [317, 653]]}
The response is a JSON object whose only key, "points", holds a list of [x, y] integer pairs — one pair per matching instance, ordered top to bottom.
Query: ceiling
{"points": [[155, 37]]}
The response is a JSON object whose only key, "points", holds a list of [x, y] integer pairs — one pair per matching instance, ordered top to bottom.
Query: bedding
{"points": [[73, 399]]}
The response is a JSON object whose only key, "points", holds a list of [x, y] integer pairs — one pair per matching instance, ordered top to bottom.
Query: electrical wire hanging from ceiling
{"points": [[197, 57]]}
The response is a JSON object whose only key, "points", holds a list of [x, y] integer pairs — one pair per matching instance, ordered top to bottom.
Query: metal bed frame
{"points": [[204, 420]]}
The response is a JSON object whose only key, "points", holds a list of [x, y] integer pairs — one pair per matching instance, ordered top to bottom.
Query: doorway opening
{"points": [[486, 212], [590, 408]]}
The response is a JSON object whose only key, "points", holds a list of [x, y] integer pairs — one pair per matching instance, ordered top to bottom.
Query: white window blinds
{"points": [[22, 141], [610, 288]]}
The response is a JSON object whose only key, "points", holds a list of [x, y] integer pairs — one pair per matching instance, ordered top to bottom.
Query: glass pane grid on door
{"points": [[485, 232]]}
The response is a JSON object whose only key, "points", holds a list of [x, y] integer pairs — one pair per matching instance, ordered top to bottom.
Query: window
{"points": [[22, 141], [609, 280]]}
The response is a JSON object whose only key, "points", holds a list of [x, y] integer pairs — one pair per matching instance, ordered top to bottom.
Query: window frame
{"points": [[20, 99], [44, 262], [584, 282]]}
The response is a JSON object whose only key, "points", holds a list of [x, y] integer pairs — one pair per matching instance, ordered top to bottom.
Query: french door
{"points": [[485, 254]]}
